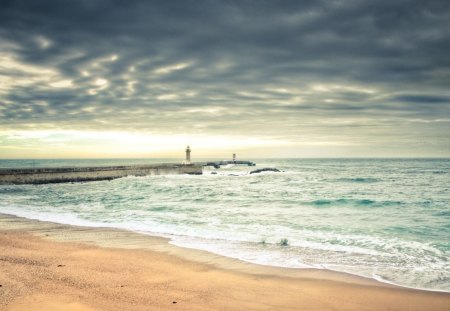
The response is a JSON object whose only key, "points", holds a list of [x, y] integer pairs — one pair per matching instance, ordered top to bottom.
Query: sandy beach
{"points": [[46, 266]]}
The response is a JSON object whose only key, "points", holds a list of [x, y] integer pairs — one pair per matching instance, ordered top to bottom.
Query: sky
{"points": [[99, 78]]}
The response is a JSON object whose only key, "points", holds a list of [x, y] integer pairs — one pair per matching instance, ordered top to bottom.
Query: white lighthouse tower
{"points": [[188, 156]]}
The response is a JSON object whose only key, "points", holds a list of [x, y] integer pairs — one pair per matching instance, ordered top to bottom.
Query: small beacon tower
{"points": [[188, 155], [234, 157]]}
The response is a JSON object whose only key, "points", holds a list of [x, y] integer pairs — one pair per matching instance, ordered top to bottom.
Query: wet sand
{"points": [[46, 266]]}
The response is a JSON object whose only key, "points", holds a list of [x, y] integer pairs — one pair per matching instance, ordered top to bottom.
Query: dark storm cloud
{"points": [[162, 65], [423, 99]]}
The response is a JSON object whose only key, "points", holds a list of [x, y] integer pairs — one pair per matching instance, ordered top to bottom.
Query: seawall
{"points": [[77, 174]]}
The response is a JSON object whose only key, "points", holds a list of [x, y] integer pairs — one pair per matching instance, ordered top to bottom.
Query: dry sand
{"points": [[39, 273]]}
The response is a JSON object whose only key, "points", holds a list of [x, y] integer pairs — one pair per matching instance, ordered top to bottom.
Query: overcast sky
{"points": [[105, 78]]}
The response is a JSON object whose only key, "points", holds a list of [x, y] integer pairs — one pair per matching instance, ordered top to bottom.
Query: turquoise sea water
{"points": [[387, 219]]}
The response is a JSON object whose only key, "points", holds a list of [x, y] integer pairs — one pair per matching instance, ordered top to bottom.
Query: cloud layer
{"points": [[355, 73]]}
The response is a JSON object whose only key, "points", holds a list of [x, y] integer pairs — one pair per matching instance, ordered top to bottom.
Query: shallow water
{"points": [[379, 218]]}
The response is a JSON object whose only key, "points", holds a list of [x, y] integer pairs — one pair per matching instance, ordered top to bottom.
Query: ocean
{"points": [[387, 219]]}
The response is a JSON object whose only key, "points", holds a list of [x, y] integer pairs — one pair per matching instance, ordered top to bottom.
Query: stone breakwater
{"points": [[80, 174]]}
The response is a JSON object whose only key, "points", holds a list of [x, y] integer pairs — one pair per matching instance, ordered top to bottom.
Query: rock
{"points": [[266, 169], [214, 173]]}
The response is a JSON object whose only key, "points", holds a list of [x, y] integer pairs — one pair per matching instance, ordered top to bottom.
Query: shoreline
{"points": [[110, 237], [140, 240], [330, 290]]}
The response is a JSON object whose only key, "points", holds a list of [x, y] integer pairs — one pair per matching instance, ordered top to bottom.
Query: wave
{"points": [[439, 172], [359, 180], [12, 189], [353, 203], [158, 209], [442, 213], [381, 279]]}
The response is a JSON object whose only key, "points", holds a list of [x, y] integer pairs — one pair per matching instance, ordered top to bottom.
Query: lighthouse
{"points": [[188, 155]]}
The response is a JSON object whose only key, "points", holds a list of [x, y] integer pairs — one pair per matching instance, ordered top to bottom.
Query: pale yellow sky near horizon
{"points": [[122, 144]]}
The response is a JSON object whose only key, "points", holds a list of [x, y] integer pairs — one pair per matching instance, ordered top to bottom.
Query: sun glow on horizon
{"points": [[71, 143]]}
